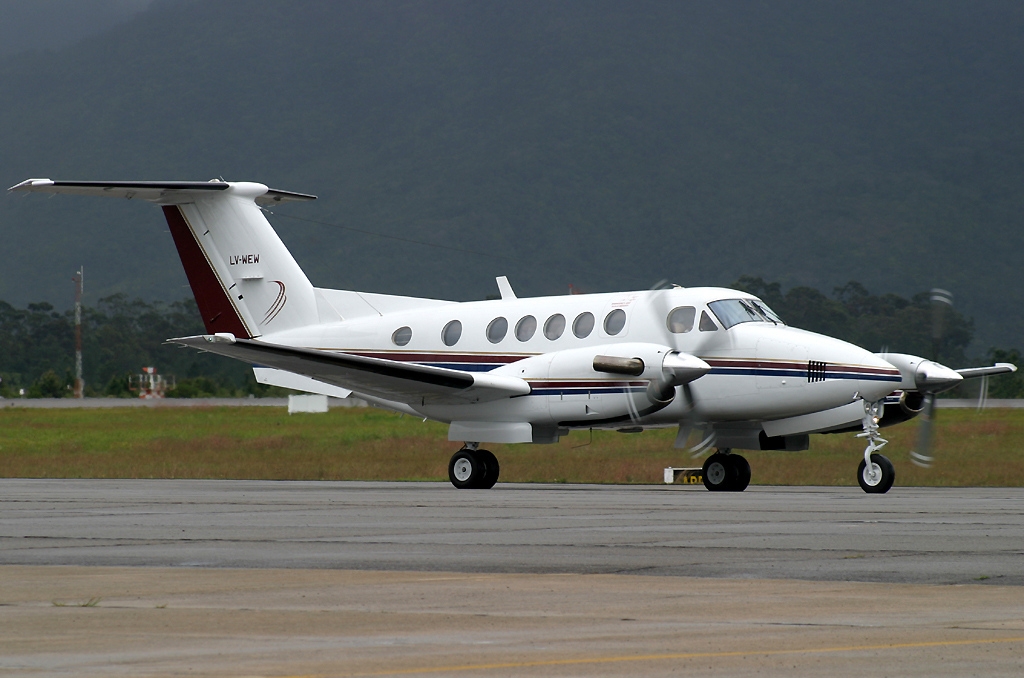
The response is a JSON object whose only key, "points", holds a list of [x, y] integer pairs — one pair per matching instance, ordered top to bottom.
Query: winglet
{"points": [[505, 288]]}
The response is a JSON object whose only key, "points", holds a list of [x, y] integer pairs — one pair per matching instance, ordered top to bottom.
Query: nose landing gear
{"points": [[473, 469], [726, 472], [876, 474]]}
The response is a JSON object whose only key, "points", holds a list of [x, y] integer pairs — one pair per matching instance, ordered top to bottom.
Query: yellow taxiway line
{"points": [[661, 657]]}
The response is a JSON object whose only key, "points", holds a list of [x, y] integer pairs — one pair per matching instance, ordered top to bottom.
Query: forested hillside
{"points": [[602, 144], [120, 336]]}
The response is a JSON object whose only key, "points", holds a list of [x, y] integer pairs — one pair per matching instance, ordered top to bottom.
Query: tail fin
{"points": [[244, 279]]}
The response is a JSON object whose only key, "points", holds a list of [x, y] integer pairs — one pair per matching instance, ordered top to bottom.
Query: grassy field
{"points": [[972, 449]]}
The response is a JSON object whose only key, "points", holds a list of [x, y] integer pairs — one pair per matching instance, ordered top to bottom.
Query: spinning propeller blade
{"points": [[662, 305], [930, 381], [922, 455]]}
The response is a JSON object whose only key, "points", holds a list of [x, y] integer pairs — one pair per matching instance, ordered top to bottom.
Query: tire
{"points": [[742, 468], [491, 469], [465, 470], [719, 473], [880, 484]]}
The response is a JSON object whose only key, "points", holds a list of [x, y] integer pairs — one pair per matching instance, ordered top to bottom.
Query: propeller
{"points": [[685, 372], [930, 378], [931, 381]]}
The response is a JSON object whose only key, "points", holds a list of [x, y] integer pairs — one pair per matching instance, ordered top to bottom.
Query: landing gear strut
{"points": [[473, 469], [726, 472], [875, 474]]}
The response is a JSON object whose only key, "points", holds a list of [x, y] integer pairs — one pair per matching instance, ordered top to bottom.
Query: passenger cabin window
{"points": [[731, 312], [680, 320], [615, 321], [706, 323], [583, 325], [554, 326], [526, 327], [496, 330], [451, 333], [402, 336]]}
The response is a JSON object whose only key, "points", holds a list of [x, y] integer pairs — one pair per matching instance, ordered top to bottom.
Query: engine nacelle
{"points": [[609, 384], [909, 405]]}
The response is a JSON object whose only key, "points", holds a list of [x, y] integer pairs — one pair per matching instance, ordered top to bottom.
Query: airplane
{"points": [[710, 360]]}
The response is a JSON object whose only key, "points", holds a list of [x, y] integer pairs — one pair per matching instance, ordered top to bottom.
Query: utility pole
{"points": [[79, 285]]}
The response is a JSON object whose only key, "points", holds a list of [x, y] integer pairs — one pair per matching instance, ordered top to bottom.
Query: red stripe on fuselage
{"points": [[219, 314], [440, 357]]}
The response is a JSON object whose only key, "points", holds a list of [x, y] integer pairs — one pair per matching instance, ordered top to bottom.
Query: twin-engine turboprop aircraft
{"points": [[712, 360]]}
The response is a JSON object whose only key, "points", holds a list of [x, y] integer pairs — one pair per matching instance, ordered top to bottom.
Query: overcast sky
{"points": [[51, 24]]}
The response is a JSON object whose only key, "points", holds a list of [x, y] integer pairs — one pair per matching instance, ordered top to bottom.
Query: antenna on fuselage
{"points": [[505, 288]]}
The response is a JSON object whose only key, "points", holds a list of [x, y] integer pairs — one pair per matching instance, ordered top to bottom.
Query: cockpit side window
{"points": [[680, 320], [706, 323]]}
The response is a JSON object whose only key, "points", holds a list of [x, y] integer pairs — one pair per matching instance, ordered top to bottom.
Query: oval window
{"points": [[680, 320], [615, 321], [583, 325], [554, 326], [526, 327], [496, 330], [451, 333], [402, 336]]}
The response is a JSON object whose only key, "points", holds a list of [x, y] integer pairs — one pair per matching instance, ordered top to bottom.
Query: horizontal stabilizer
{"points": [[169, 192], [409, 383]]}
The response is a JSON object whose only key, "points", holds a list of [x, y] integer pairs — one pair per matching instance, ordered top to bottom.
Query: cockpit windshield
{"points": [[735, 311]]}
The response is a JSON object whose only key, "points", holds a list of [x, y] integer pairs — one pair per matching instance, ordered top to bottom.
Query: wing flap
{"points": [[413, 384]]}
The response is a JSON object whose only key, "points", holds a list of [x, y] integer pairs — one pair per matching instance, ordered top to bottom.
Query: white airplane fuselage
{"points": [[759, 370]]}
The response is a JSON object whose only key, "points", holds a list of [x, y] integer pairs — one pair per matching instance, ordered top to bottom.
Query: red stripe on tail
{"points": [[219, 314]]}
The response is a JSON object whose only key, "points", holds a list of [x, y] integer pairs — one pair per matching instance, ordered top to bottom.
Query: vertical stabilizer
{"points": [[244, 278]]}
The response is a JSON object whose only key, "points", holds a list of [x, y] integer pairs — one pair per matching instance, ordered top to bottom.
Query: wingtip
{"points": [[30, 184]]}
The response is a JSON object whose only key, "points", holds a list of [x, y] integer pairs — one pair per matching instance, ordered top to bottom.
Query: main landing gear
{"points": [[473, 469], [726, 472], [875, 473]]}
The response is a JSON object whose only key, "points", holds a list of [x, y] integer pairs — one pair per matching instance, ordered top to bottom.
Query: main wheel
{"points": [[742, 467], [466, 469], [492, 469], [719, 472], [878, 478]]}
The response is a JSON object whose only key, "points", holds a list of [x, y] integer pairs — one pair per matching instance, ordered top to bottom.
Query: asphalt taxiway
{"points": [[911, 535], [235, 578]]}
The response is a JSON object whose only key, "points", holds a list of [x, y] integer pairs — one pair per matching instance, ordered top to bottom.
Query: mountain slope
{"points": [[602, 144]]}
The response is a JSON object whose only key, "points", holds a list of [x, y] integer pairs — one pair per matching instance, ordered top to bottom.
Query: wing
{"points": [[998, 368], [388, 379]]}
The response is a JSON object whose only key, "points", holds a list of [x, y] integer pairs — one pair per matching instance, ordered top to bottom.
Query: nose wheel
{"points": [[473, 469], [726, 472], [875, 474], [877, 477]]}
